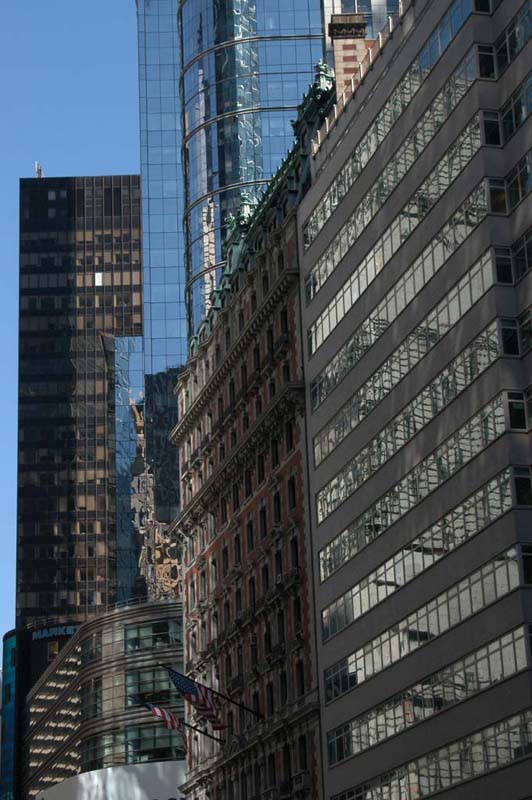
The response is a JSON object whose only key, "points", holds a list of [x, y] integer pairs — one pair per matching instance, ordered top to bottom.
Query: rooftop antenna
{"points": [[38, 170]]}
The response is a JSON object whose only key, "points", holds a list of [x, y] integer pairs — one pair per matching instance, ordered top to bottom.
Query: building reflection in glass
{"points": [[245, 67], [80, 287], [165, 329]]}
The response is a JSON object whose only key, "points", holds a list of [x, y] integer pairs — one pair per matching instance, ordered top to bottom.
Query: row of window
{"points": [[515, 36], [493, 60], [393, 108], [500, 127], [403, 159], [516, 185], [502, 197], [421, 202], [455, 231], [514, 262], [233, 330], [408, 354], [433, 398], [352, 413], [237, 427], [201, 468], [429, 474], [334, 494], [239, 497], [462, 523], [206, 531], [354, 538], [202, 589], [473, 593], [233, 610], [132, 638], [494, 662], [290, 688], [127, 691], [130, 746], [486, 750], [262, 776]]}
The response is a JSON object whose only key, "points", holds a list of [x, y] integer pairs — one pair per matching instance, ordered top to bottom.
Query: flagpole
{"points": [[214, 691], [182, 721], [199, 730]]}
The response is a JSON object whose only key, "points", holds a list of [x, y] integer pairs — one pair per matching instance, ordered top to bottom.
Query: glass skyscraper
{"points": [[244, 68], [162, 185], [165, 328], [80, 344]]}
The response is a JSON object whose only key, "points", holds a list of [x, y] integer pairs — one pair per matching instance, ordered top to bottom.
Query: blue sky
{"points": [[68, 98]]}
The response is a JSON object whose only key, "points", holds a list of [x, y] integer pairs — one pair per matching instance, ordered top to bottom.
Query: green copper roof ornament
{"points": [[323, 76], [247, 206]]}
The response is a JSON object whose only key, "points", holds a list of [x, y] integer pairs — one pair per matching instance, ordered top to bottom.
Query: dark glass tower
{"points": [[244, 68], [80, 373]]}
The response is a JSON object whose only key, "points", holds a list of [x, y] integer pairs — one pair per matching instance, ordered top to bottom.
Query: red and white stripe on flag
{"points": [[210, 701], [170, 722]]}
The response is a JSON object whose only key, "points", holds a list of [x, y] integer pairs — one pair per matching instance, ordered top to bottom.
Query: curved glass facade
{"points": [[245, 68], [87, 711]]}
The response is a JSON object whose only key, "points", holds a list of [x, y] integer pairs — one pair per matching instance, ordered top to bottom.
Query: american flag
{"points": [[205, 701], [169, 720]]}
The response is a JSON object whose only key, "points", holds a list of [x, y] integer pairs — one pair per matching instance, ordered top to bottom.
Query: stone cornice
{"points": [[253, 327], [291, 395]]}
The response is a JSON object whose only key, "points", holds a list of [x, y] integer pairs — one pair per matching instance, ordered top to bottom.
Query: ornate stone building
{"points": [[248, 604]]}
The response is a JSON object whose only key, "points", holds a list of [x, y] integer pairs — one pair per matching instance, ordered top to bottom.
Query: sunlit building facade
{"points": [[244, 68], [415, 292]]}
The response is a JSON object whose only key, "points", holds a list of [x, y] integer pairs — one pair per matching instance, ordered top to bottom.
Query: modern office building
{"points": [[244, 69], [219, 87], [162, 186], [416, 297], [165, 329], [80, 371], [87, 534], [248, 599], [86, 725]]}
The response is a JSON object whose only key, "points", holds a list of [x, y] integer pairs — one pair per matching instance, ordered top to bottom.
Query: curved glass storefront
{"points": [[245, 67], [86, 712]]}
